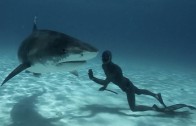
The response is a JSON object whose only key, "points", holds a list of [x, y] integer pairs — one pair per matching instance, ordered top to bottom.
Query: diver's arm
{"points": [[97, 80], [100, 81]]}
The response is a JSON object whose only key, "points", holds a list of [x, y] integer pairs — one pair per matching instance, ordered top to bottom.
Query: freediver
{"points": [[114, 74]]}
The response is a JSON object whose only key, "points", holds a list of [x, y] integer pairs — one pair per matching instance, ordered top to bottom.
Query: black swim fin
{"points": [[17, 70], [159, 97], [179, 106], [191, 107], [156, 108], [172, 108]]}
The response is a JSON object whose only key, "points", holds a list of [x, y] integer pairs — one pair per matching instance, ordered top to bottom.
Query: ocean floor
{"points": [[62, 99]]}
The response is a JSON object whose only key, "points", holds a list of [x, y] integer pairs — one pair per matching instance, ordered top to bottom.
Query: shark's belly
{"points": [[64, 67]]}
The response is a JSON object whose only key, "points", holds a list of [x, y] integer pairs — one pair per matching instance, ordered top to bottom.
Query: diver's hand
{"points": [[90, 74], [102, 88]]}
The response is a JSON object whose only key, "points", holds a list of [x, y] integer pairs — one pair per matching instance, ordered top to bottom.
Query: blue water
{"points": [[152, 41]]}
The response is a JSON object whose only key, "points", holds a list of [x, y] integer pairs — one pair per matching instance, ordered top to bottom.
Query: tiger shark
{"points": [[46, 51]]}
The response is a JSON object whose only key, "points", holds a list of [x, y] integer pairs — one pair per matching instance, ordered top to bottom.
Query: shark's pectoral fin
{"points": [[17, 70], [75, 73]]}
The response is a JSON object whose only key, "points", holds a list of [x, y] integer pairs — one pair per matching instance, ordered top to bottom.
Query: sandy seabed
{"points": [[62, 99]]}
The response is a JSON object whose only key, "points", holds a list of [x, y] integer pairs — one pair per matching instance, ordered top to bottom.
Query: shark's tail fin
{"points": [[17, 70]]}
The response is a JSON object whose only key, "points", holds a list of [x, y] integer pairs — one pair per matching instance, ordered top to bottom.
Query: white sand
{"points": [[81, 104]]}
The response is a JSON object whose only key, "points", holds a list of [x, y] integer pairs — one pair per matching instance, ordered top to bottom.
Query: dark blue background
{"points": [[157, 29]]}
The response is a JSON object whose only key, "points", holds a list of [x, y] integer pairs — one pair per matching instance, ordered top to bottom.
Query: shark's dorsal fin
{"points": [[35, 24], [17, 70]]}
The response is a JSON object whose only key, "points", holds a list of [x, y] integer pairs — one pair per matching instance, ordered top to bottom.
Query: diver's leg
{"points": [[141, 91], [144, 92], [147, 92], [131, 100]]}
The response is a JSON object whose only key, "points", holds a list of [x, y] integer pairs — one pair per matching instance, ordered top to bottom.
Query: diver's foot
{"points": [[159, 98], [156, 108]]}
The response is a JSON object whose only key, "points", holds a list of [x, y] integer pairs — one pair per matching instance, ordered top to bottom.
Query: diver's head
{"points": [[106, 57]]}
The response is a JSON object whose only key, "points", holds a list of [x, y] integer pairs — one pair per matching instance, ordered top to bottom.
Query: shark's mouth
{"points": [[72, 62]]}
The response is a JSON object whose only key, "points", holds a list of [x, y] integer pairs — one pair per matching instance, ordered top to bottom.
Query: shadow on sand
{"points": [[96, 109], [24, 113]]}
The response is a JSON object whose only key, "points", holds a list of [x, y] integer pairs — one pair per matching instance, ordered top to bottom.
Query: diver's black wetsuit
{"points": [[114, 74]]}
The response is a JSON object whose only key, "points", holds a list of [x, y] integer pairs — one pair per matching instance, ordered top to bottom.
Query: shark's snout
{"points": [[89, 48], [80, 52]]}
